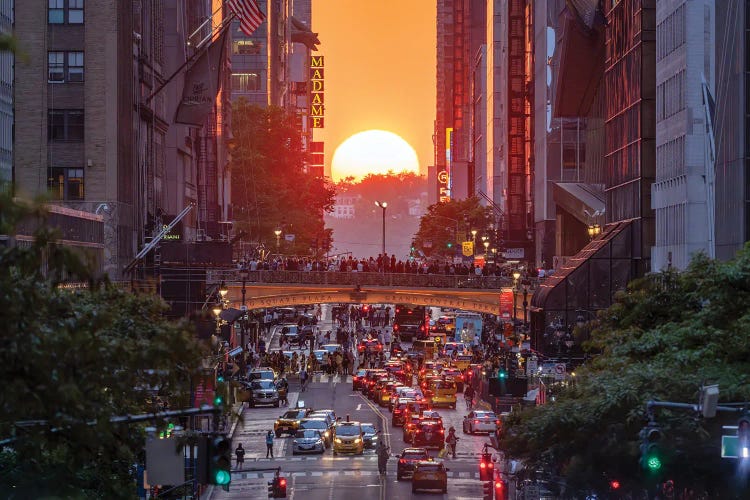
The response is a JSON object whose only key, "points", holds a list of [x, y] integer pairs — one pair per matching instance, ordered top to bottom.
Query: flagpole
{"points": [[208, 19], [222, 28]]}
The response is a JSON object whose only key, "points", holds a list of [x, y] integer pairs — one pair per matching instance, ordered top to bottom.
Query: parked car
{"points": [[480, 421], [308, 441], [407, 459], [429, 475]]}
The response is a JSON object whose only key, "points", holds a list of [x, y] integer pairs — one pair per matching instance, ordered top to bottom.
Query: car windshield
{"points": [[361, 373], [263, 375], [262, 384], [443, 385], [294, 414], [485, 414], [314, 424], [368, 429], [348, 430], [307, 433], [415, 455]]}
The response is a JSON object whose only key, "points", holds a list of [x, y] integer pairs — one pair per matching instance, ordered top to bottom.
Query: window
{"points": [[62, 11], [56, 12], [55, 66], [75, 66], [64, 67], [245, 82], [65, 125], [65, 183]]}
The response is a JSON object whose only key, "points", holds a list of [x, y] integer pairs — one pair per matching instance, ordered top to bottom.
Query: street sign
{"points": [[467, 248], [513, 253], [531, 367], [560, 371], [730, 447]]}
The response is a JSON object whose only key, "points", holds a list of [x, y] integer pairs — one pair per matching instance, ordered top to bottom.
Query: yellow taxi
{"points": [[462, 361], [442, 392], [288, 423], [348, 438], [429, 475]]}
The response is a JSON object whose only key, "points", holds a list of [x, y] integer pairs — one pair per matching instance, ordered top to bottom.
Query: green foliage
{"points": [[270, 188], [451, 223], [662, 338], [71, 359]]}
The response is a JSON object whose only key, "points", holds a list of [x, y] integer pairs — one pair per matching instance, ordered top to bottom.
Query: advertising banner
{"points": [[468, 329]]}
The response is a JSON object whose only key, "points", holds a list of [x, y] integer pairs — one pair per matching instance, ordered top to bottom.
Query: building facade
{"points": [[7, 60], [97, 131]]}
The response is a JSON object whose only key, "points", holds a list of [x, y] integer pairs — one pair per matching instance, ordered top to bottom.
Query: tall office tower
{"points": [[606, 73], [6, 98], [509, 127], [732, 127], [97, 132], [685, 184]]}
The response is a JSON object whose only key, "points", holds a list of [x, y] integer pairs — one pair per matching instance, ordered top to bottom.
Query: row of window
{"points": [[65, 12], [670, 33], [64, 67], [246, 82], [670, 96], [65, 125], [670, 159], [671, 221]]}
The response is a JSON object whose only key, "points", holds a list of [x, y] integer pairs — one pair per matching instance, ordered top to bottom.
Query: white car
{"points": [[481, 421]]}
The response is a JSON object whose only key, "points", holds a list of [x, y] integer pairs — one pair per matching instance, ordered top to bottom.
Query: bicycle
{"points": [[469, 403]]}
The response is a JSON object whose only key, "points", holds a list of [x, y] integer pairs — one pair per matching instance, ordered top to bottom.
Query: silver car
{"points": [[263, 392], [480, 421], [308, 441]]}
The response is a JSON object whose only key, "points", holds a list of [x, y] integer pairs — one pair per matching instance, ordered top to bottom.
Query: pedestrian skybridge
{"points": [[265, 289]]}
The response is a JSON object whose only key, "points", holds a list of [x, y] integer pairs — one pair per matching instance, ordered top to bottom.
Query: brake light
{"points": [[395, 327], [476, 421], [497, 422], [441, 431], [402, 461], [482, 465]]}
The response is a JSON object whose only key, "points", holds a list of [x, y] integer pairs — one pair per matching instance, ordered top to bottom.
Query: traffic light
{"points": [[449, 245], [502, 374], [743, 435], [651, 454], [220, 461], [486, 468], [614, 485], [277, 487], [501, 489], [487, 490]]}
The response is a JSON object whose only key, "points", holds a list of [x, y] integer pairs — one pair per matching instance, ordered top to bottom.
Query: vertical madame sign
{"points": [[317, 88]]}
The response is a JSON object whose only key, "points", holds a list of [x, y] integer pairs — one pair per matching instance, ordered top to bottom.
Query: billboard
{"points": [[317, 88], [468, 329]]}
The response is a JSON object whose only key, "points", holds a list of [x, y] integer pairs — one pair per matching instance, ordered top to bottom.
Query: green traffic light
{"points": [[450, 245], [502, 374], [220, 378], [218, 400], [653, 463], [222, 477]]}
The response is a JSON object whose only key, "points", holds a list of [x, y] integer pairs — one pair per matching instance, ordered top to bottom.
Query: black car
{"points": [[358, 380], [429, 434], [370, 435], [407, 460]]}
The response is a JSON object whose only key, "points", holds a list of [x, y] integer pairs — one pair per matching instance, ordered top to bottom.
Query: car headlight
{"points": [[374, 438], [358, 440], [319, 441], [338, 441]]}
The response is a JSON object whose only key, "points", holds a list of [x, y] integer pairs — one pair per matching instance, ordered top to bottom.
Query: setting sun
{"points": [[373, 152]]}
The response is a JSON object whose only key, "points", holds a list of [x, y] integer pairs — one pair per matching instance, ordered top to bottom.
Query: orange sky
{"points": [[379, 70]]}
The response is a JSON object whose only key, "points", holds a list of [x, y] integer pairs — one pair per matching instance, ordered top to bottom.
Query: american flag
{"points": [[249, 14]]}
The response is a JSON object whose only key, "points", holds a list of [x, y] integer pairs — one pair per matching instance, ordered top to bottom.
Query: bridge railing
{"points": [[352, 279]]}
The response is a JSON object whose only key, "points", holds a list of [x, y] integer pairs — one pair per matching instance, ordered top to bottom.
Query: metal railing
{"points": [[335, 278]]}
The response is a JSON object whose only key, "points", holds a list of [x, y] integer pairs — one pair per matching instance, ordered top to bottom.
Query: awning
{"points": [[583, 201], [588, 280], [231, 315]]}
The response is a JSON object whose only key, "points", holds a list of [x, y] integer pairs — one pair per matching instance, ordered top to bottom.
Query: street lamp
{"points": [[383, 205], [594, 230], [277, 232], [474, 241], [244, 274], [223, 291]]}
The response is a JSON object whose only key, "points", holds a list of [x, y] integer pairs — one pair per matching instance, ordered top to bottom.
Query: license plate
{"points": [[428, 436]]}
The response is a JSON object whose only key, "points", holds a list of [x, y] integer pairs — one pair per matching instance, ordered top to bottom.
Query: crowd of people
{"points": [[381, 263]]}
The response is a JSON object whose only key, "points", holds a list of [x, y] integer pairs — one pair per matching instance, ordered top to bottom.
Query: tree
{"points": [[270, 187], [446, 225], [663, 337], [71, 359]]}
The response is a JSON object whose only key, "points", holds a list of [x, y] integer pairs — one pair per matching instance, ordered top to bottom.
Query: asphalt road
{"points": [[329, 477]]}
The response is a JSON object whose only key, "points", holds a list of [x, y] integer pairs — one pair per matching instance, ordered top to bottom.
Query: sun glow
{"points": [[373, 152]]}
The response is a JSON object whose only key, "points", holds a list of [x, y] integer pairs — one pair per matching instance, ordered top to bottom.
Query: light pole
{"points": [[383, 205], [277, 232], [473, 241], [244, 273], [516, 275]]}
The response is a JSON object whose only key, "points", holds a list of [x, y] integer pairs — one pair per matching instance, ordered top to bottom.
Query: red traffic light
{"points": [[614, 484]]}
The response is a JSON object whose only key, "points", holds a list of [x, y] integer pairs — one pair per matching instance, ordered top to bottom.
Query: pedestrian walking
{"points": [[303, 379], [269, 444], [240, 454]]}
